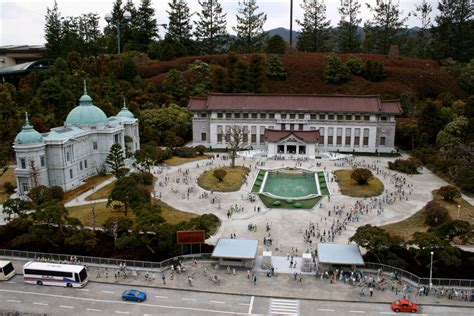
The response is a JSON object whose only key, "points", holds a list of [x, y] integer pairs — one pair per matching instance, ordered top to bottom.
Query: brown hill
{"points": [[414, 78]]}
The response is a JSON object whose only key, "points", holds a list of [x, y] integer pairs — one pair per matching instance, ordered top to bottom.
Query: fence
{"points": [[163, 265], [417, 280]]}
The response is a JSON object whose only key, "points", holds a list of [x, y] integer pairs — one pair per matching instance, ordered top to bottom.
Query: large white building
{"points": [[300, 125], [67, 155]]}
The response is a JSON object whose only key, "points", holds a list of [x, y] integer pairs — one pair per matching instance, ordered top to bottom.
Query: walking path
{"points": [[81, 199]]}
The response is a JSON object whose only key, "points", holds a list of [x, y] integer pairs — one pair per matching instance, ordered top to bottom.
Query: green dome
{"points": [[125, 112], [85, 113], [28, 135]]}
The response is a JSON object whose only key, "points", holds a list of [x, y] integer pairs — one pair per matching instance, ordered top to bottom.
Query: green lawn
{"points": [[176, 161], [8, 176], [232, 181], [91, 182], [350, 187], [305, 204]]}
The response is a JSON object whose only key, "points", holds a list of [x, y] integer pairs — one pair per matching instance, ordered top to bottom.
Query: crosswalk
{"points": [[284, 307]]}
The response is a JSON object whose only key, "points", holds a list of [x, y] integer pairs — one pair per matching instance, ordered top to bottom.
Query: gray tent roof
{"points": [[235, 249], [339, 254]]}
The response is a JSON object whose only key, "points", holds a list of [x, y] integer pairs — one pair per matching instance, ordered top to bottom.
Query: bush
{"points": [[275, 45], [355, 65], [275, 70], [336, 71], [374, 71], [200, 149], [185, 152], [163, 154], [408, 166], [219, 174], [361, 175], [144, 178], [9, 188], [449, 192], [57, 193], [436, 214]]}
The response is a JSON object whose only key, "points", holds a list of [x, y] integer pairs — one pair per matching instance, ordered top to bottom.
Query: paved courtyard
{"points": [[287, 227]]}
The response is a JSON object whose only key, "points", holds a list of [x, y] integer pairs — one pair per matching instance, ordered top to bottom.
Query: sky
{"points": [[22, 21]]}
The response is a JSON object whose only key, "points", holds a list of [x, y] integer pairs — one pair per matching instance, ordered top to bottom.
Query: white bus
{"points": [[7, 271], [43, 273]]}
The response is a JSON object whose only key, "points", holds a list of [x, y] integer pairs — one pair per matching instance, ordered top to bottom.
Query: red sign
{"points": [[190, 237]]}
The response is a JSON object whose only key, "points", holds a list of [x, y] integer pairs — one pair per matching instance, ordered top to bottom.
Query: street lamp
{"points": [[127, 16], [459, 208], [431, 270]]}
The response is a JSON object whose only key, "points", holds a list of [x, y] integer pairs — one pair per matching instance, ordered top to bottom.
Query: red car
{"points": [[404, 306]]}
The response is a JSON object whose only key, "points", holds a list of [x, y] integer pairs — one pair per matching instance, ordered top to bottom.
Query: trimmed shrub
{"points": [[356, 66], [336, 71], [374, 71], [200, 149], [185, 152], [408, 166], [219, 174], [361, 175], [449, 193], [436, 214]]}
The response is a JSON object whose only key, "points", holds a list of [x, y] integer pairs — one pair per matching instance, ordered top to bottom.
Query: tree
{"points": [[422, 12], [179, 26], [315, 26], [386, 26], [211, 27], [145, 28], [249, 29], [53, 32], [455, 32], [348, 37], [275, 45], [356, 66], [275, 70], [374, 71], [336, 72], [256, 74], [200, 78], [175, 86], [429, 123], [453, 134], [236, 139], [147, 156], [115, 160], [219, 174], [361, 175], [57, 193], [128, 193], [449, 193], [39, 195], [14, 208], [53, 213], [436, 214], [148, 218], [454, 229], [371, 238], [81, 239], [425, 242]]}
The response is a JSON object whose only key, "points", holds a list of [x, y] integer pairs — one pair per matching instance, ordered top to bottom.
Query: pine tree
{"points": [[422, 12], [179, 26], [315, 26], [211, 27], [145, 28], [129, 29], [385, 29], [109, 31], [455, 31], [53, 32], [250, 34], [349, 39], [275, 70], [256, 72], [115, 160]]}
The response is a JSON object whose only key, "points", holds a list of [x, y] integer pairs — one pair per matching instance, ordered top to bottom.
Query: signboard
{"points": [[190, 237]]}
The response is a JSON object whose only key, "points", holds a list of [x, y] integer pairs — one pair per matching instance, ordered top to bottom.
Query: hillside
{"points": [[416, 78]]}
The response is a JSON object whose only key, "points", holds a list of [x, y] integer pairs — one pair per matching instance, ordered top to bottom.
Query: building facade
{"points": [[326, 123], [67, 155]]}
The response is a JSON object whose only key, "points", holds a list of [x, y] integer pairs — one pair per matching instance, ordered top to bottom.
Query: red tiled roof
{"points": [[295, 102], [391, 106], [272, 135]]}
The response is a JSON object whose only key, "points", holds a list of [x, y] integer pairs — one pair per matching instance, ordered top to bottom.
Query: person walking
{"points": [[164, 279], [255, 279], [371, 291]]}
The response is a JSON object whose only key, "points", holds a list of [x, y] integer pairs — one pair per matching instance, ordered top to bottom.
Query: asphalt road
{"points": [[105, 299]]}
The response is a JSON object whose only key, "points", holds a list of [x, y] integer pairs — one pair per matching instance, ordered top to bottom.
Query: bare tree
{"points": [[237, 139], [34, 173]]}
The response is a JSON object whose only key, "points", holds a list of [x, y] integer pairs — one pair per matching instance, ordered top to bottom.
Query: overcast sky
{"points": [[22, 21]]}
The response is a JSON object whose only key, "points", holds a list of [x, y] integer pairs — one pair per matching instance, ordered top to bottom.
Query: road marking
{"points": [[11, 282], [84, 290], [108, 292], [157, 296], [188, 299], [13, 301], [217, 302], [43, 304], [244, 304], [251, 304], [66, 306], [284, 307], [94, 310], [325, 310], [215, 311], [120, 312], [358, 312], [388, 313]]}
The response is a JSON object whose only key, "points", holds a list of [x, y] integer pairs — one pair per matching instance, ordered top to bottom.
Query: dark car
{"points": [[134, 295], [404, 306]]}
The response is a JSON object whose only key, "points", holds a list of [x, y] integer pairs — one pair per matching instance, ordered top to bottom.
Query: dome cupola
{"points": [[125, 112], [86, 113], [28, 134]]}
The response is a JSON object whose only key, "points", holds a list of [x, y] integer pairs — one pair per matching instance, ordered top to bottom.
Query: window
{"points": [[203, 114], [219, 115], [228, 115], [237, 115], [245, 115], [254, 115], [263, 115], [271, 115], [283, 115], [292, 116], [301, 116], [312, 116], [322, 116], [330, 116], [340, 117], [349, 117], [357, 117], [366, 117], [383, 118], [282, 127], [292, 127], [300, 127], [227, 133], [219, 134], [245, 135], [262, 135], [321, 135], [330, 136], [203, 137], [253, 137], [339, 137], [348, 137], [357, 137], [366, 137], [116, 138], [382, 141], [94, 145], [68, 156], [42, 161], [23, 163], [85, 164], [80, 165], [70, 173], [25, 187], [61, 274]]}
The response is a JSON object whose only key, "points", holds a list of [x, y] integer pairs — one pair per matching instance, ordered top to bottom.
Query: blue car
{"points": [[134, 295]]}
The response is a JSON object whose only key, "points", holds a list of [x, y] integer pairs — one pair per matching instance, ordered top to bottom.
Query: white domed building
{"points": [[69, 154]]}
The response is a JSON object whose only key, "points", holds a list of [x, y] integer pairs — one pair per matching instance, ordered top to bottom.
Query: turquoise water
{"points": [[290, 185]]}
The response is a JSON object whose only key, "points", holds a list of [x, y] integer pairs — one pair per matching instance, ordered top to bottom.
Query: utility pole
{"points": [[291, 23]]}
